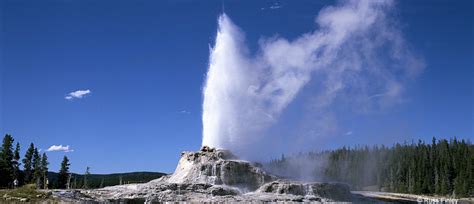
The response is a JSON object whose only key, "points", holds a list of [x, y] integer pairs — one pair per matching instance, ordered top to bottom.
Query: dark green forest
{"points": [[441, 167], [103, 180]]}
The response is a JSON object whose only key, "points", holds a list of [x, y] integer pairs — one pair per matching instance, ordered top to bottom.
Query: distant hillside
{"points": [[102, 180]]}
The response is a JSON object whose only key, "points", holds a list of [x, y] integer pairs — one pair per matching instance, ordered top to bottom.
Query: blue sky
{"points": [[145, 62]]}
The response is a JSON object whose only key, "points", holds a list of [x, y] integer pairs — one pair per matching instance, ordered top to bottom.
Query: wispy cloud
{"points": [[273, 7], [77, 94], [185, 112], [348, 133], [57, 148]]}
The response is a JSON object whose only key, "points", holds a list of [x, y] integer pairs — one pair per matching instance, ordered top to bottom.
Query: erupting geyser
{"points": [[357, 54]]}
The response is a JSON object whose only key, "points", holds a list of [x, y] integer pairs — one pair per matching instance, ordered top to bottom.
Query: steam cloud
{"points": [[356, 56]]}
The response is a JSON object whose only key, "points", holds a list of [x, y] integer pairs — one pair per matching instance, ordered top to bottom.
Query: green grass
{"points": [[25, 192]]}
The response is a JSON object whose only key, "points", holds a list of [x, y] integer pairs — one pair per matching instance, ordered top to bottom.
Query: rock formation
{"points": [[218, 167], [215, 175]]}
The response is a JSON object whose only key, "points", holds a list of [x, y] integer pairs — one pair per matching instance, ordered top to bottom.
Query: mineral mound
{"points": [[218, 167], [216, 175]]}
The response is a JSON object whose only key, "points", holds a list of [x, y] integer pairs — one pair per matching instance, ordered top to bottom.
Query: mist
{"points": [[357, 57]]}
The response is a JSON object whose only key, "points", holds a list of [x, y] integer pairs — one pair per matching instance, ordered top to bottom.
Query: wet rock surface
{"points": [[213, 175], [333, 191]]}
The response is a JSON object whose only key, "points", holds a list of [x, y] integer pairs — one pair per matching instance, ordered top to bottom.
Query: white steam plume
{"points": [[357, 54]]}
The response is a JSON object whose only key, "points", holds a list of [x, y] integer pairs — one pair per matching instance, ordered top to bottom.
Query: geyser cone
{"points": [[218, 167], [211, 175]]}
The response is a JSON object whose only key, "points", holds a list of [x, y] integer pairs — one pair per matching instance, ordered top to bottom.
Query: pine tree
{"points": [[6, 162], [16, 162], [27, 163], [36, 168], [44, 170], [64, 173], [86, 176], [74, 183]]}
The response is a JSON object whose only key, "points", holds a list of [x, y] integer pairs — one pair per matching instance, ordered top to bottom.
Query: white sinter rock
{"points": [[215, 175]]}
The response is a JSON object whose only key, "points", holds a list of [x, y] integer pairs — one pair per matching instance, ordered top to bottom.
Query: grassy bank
{"points": [[24, 193]]}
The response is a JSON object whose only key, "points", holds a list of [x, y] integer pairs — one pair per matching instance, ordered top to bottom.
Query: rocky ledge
{"points": [[214, 175]]}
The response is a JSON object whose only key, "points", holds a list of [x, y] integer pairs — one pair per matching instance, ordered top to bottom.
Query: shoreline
{"points": [[403, 197]]}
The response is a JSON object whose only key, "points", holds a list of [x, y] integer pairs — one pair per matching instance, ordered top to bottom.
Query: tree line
{"points": [[441, 167], [34, 169]]}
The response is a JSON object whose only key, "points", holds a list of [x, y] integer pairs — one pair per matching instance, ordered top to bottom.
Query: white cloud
{"points": [[77, 94], [349, 133], [56, 148]]}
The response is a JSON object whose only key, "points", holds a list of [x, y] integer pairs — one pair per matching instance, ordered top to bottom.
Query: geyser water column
{"points": [[357, 53], [226, 88], [240, 101], [217, 105]]}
